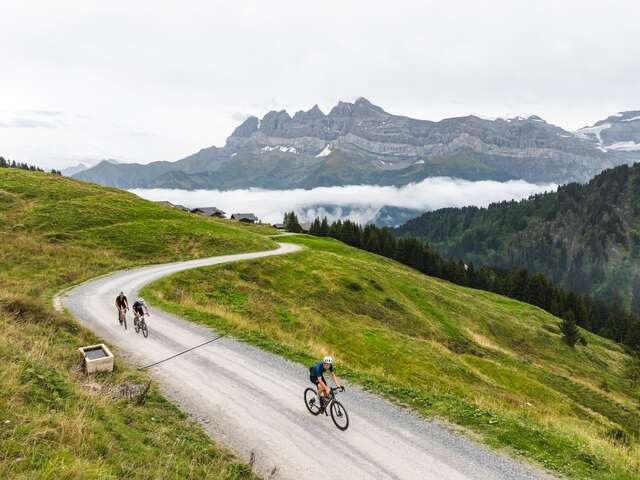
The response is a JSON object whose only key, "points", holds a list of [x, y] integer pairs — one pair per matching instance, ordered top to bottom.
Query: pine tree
{"points": [[291, 222], [315, 227], [324, 227], [335, 231], [371, 239], [569, 329]]}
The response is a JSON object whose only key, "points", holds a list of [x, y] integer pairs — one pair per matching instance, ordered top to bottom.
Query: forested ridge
{"points": [[6, 163], [585, 238]]}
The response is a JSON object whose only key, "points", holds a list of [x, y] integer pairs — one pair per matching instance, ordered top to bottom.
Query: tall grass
{"points": [[487, 363]]}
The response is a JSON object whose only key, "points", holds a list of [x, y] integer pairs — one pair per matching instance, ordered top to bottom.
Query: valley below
{"points": [[383, 205]]}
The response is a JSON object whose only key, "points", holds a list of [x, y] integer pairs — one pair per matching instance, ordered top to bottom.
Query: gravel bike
{"points": [[122, 317], [140, 324], [337, 410]]}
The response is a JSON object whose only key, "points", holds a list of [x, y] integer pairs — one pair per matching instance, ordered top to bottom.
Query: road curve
{"points": [[251, 401]]}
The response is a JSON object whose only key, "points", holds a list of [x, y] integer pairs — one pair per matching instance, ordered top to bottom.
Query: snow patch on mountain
{"points": [[591, 133], [624, 146], [281, 148], [325, 152]]}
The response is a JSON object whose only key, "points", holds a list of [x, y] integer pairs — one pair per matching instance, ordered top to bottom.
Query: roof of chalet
{"points": [[209, 211], [244, 216]]}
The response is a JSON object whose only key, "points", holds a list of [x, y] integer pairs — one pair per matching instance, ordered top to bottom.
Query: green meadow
{"points": [[490, 366]]}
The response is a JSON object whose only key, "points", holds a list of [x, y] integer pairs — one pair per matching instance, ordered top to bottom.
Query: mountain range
{"points": [[360, 143], [586, 237]]}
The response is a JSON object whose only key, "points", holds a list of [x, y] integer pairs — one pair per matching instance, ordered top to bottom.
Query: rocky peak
{"points": [[363, 108], [342, 109], [314, 113], [273, 122], [246, 128]]}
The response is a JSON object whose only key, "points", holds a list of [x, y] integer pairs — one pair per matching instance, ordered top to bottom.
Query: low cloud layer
{"points": [[24, 123], [359, 202]]}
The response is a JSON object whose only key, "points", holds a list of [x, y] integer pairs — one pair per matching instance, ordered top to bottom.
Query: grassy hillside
{"points": [[56, 232], [584, 237], [493, 365]]}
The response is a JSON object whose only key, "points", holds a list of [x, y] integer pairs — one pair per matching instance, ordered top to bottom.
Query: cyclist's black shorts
{"points": [[139, 311], [315, 379]]}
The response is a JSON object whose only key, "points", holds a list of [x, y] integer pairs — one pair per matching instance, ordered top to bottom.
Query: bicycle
{"points": [[122, 317], [140, 324], [338, 412]]}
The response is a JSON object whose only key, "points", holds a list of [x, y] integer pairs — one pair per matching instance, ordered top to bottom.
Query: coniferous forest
{"points": [[5, 163], [585, 238]]}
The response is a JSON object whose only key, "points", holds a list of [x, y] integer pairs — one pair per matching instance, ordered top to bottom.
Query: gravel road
{"points": [[251, 401]]}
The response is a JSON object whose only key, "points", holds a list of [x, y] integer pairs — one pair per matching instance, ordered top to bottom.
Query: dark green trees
{"points": [[5, 163], [291, 222], [583, 237], [569, 329]]}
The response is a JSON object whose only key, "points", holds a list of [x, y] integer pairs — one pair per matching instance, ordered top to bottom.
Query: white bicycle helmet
{"points": [[141, 300], [328, 360]]}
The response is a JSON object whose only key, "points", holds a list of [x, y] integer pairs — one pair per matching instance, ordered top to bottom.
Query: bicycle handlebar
{"points": [[336, 389]]}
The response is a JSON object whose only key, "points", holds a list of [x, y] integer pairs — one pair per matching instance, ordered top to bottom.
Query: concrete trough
{"points": [[96, 358]]}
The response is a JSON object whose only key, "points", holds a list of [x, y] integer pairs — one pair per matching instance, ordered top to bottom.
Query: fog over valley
{"points": [[360, 203]]}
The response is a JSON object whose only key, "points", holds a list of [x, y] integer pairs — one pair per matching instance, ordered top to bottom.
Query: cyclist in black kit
{"points": [[122, 304], [139, 309]]}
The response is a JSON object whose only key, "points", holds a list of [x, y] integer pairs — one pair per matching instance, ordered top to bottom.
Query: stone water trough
{"points": [[96, 358]]}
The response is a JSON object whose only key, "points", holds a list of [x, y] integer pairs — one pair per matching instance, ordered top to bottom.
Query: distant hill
{"points": [[360, 143], [72, 170], [585, 237]]}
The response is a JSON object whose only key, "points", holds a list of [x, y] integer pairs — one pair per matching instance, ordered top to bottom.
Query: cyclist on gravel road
{"points": [[122, 304], [139, 309], [316, 375]]}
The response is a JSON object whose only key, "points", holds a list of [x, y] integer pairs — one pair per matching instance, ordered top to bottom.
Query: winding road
{"points": [[251, 401]]}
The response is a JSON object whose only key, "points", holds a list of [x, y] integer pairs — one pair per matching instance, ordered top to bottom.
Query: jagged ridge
{"points": [[360, 142]]}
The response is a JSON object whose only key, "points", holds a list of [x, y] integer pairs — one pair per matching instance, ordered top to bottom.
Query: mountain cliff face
{"points": [[617, 133], [360, 143], [585, 237]]}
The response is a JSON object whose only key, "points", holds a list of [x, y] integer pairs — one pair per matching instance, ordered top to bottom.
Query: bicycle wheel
{"points": [[124, 321], [136, 325], [145, 330], [312, 401], [339, 415]]}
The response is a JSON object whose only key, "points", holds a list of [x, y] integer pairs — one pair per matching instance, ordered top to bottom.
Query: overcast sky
{"points": [[151, 80]]}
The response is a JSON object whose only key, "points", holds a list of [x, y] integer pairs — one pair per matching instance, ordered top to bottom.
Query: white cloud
{"points": [[185, 73], [25, 123], [359, 202]]}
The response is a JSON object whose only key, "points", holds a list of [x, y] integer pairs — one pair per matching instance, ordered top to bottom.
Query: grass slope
{"points": [[56, 232], [488, 363]]}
